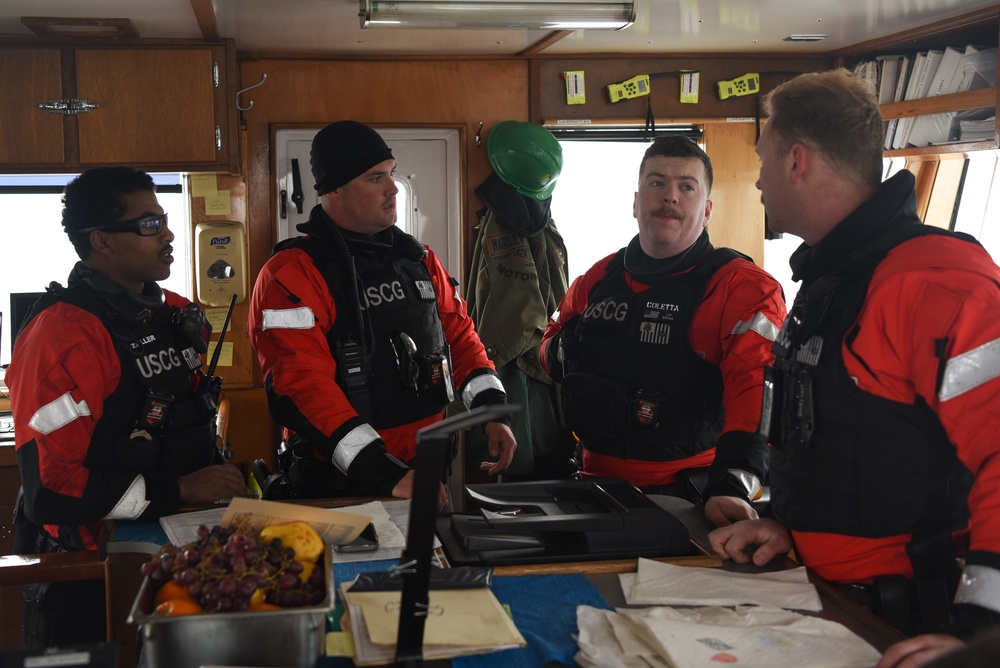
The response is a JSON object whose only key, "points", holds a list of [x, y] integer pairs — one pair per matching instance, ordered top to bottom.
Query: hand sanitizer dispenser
{"points": [[220, 262]]}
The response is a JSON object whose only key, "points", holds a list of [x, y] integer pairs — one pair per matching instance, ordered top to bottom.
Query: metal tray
{"points": [[289, 638]]}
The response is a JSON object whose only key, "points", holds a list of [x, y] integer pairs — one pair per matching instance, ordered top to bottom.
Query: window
{"points": [[592, 203], [38, 251]]}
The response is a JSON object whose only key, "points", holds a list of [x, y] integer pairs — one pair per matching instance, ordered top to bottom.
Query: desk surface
{"points": [[603, 574]]}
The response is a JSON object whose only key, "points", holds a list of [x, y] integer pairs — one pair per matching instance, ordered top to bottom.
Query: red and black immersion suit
{"points": [[357, 335], [643, 388], [107, 416], [870, 473]]}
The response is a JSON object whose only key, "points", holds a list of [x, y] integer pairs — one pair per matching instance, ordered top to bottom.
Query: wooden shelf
{"points": [[973, 99]]}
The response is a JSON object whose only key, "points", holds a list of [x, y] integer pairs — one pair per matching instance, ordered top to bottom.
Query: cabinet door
{"points": [[29, 77], [157, 106]]}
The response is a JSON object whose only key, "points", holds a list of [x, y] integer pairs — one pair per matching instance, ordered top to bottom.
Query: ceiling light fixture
{"points": [[527, 14], [57, 26]]}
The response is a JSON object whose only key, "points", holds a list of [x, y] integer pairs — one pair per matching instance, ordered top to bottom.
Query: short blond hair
{"points": [[835, 113]]}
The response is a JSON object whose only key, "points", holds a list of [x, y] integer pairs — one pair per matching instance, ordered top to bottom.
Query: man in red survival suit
{"points": [[361, 335], [660, 348], [113, 418], [885, 463]]}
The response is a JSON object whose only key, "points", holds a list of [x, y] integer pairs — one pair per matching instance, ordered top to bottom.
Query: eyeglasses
{"points": [[144, 226]]}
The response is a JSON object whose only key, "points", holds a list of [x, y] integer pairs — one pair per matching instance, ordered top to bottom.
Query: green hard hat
{"points": [[526, 156]]}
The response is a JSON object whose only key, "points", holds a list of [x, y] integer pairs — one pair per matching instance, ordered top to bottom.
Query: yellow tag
{"points": [[689, 87], [576, 93], [339, 643]]}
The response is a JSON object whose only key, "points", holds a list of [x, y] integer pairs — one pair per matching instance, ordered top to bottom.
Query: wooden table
{"points": [[120, 570]]}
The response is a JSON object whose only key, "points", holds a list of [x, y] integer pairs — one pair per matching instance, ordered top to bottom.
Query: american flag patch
{"points": [[426, 289], [654, 332]]}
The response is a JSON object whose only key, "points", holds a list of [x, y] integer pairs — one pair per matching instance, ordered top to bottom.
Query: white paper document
{"points": [[657, 583], [746, 636]]}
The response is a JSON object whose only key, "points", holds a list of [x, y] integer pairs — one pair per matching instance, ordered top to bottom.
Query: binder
{"points": [[902, 80], [919, 90], [934, 127]]}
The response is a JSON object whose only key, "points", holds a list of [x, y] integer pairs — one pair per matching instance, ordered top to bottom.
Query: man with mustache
{"points": [[361, 335], [660, 348], [113, 418]]}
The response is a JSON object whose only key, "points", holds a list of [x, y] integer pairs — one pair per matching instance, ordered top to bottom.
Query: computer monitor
{"points": [[20, 304]]}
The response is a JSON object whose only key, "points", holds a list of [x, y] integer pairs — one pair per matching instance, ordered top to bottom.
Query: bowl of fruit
{"points": [[237, 596]]}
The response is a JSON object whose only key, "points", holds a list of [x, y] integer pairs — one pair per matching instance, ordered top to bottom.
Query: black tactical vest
{"points": [[394, 363], [156, 376], [636, 389], [846, 461]]}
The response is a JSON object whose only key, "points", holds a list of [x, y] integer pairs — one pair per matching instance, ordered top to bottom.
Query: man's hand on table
{"points": [[502, 444], [211, 484], [404, 490], [725, 510], [758, 539], [919, 650]]}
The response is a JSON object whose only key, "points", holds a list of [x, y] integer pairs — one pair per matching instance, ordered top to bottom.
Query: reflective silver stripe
{"points": [[289, 318], [760, 324], [970, 370], [477, 385], [58, 413], [349, 447], [749, 481], [132, 504], [980, 585]]}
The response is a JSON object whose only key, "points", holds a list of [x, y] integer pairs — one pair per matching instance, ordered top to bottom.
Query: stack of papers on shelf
{"points": [[957, 72], [943, 81], [975, 125], [460, 622], [709, 636]]}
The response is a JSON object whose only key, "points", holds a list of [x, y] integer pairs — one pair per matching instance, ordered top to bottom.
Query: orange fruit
{"points": [[172, 590], [178, 606], [264, 606]]}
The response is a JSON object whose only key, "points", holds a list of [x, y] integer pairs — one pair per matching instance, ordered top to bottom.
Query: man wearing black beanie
{"points": [[361, 335]]}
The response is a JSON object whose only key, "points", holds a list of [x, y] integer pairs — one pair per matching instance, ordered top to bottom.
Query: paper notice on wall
{"points": [[203, 185], [217, 204], [217, 318], [225, 354]]}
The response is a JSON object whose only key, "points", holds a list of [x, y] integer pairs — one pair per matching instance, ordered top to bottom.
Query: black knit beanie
{"points": [[344, 150]]}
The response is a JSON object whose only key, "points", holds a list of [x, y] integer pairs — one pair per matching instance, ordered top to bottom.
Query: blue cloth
{"points": [[143, 532], [544, 610]]}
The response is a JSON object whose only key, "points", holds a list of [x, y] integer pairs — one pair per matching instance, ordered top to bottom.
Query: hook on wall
{"points": [[263, 78], [479, 135]]}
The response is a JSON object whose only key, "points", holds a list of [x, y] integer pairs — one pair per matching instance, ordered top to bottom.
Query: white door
{"points": [[427, 173]]}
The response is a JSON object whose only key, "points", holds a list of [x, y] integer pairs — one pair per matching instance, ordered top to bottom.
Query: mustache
{"points": [[668, 213]]}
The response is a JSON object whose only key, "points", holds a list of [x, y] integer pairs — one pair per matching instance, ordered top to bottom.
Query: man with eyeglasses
{"points": [[361, 335], [113, 418]]}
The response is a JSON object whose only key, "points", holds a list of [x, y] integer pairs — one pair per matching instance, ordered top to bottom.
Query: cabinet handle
{"points": [[215, 74], [69, 106], [218, 138]]}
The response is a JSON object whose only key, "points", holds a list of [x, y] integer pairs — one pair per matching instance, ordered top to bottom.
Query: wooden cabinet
{"points": [[164, 107]]}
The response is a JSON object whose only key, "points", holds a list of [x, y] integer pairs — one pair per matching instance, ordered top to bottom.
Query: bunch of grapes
{"points": [[225, 567]]}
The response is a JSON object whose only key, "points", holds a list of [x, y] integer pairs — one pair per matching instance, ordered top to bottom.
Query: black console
{"points": [[560, 520]]}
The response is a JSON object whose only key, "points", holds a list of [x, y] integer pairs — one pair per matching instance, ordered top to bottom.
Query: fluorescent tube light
{"points": [[543, 15]]}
